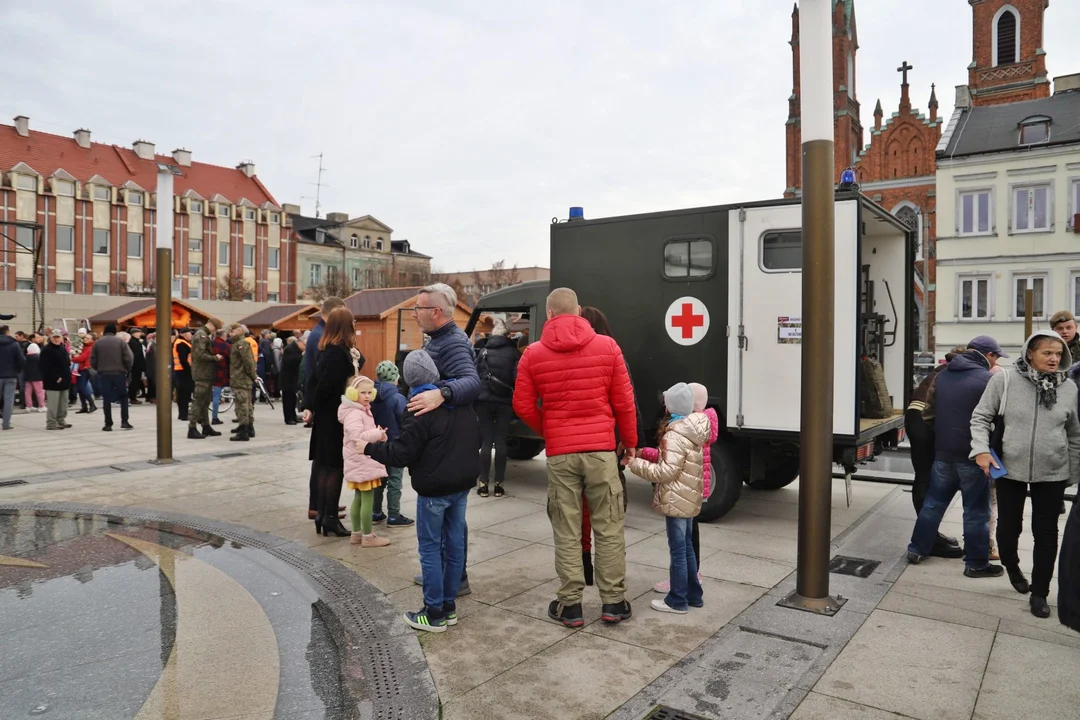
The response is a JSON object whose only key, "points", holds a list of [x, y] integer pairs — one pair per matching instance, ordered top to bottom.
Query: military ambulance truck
{"points": [[714, 295]]}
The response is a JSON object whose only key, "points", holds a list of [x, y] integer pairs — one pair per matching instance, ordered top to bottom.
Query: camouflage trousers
{"points": [[200, 404], [243, 405]]}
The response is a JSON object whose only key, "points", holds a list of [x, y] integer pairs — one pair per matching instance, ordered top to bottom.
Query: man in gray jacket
{"points": [[112, 359]]}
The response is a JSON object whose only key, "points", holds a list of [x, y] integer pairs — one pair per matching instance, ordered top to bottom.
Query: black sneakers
{"points": [[943, 548], [990, 571], [1019, 582], [612, 613], [568, 615]]}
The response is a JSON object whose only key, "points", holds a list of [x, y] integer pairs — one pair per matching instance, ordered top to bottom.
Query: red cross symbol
{"points": [[687, 321]]}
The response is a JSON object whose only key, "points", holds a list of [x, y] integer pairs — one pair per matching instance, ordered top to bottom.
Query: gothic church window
{"points": [[1006, 37], [909, 216]]}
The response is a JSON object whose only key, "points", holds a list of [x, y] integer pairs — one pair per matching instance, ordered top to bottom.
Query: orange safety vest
{"points": [[254, 347], [176, 355]]}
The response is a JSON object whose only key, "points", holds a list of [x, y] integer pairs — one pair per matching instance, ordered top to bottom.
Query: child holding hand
{"points": [[362, 473]]}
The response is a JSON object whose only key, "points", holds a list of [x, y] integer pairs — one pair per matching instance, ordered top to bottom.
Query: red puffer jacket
{"points": [[579, 378]]}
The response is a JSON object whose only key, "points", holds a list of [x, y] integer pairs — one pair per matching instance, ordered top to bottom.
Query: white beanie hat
{"points": [[679, 399]]}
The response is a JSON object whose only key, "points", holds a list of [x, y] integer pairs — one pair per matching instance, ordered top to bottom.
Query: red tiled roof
{"points": [[47, 153]]}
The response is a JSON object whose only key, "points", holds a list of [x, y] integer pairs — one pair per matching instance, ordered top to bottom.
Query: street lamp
{"points": [[163, 329]]}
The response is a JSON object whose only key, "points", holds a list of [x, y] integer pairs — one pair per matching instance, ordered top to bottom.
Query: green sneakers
{"points": [[421, 620]]}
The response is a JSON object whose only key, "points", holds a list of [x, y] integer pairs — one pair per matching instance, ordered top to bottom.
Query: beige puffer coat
{"points": [[679, 473]]}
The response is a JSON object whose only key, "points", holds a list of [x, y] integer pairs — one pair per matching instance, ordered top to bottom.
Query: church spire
{"points": [[933, 103], [878, 113]]}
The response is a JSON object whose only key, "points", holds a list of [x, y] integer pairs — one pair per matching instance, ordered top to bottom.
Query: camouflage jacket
{"points": [[203, 362], [241, 365]]}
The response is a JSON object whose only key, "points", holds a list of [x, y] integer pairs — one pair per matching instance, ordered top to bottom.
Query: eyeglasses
{"points": [[418, 308]]}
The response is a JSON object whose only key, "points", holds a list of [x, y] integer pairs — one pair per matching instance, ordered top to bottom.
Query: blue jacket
{"points": [[450, 349], [311, 350], [12, 359], [957, 392], [388, 408]]}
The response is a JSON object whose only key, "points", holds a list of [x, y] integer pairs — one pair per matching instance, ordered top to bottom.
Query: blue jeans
{"points": [[114, 389], [86, 393], [7, 394], [217, 400], [946, 478], [440, 526], [685, 587]]}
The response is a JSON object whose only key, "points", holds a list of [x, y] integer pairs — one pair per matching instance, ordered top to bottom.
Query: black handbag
{"points": [[997, 433]]}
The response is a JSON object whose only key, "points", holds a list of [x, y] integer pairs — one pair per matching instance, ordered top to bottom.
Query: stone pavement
{"points": [[912, 642]]}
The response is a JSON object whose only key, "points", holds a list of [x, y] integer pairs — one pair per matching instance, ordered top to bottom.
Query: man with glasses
{"points": [[459, 383]]}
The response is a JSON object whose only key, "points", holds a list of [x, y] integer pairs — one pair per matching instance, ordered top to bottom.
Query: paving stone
{"points": [[744, 569], [1024, 674], [823, 707]]}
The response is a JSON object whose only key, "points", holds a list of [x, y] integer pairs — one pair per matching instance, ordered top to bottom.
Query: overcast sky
{"points": [[466, 126]]}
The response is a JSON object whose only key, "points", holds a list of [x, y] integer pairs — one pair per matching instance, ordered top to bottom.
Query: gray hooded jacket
{"points": [[1040, 445]]}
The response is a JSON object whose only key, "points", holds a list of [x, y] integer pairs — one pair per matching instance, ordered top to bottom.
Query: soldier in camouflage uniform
{"points": [[203, 367], [241, 380]]}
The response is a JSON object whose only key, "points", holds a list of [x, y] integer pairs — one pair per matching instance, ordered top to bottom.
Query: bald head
{"points": [[562, 301], [330, 303]]}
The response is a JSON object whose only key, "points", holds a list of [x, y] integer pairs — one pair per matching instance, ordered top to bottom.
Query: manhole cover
{"points": [[9, 483], [859, 567], [663, 712]]}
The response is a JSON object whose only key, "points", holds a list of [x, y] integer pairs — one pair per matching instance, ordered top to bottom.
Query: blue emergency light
{"points": [[847, 179], [577, 213]]}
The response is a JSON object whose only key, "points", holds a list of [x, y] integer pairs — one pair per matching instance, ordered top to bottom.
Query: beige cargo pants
{"points": [[596, 475]]}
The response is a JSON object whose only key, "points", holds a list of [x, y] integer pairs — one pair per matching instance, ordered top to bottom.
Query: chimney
{"points": [[1067, 83], [963, 96], [22, 125], [82, 137], [144, 149], [182, 157], [247, 167], [290, 209], [337, 217]]}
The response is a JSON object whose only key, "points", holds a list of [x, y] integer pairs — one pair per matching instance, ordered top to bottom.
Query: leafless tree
{"points": [[233, 287]]}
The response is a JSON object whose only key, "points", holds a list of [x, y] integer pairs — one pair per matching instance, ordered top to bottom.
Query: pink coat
{"points": [[359, 424], [652, 454]]}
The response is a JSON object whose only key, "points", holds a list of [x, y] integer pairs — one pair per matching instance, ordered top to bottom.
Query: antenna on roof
{"points": [[318, 185]]}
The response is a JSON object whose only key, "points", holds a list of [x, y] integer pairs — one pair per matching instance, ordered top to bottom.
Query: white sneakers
{"points": [[661, 606]]}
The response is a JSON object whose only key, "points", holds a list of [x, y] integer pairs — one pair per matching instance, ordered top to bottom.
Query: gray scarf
{"points": [[1046, 383]]}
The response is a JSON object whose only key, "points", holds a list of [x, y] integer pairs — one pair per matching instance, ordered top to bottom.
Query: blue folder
{"points": [[999, 471]]}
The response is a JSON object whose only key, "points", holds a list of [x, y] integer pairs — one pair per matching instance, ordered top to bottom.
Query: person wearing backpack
{"points": [[496, 363]]}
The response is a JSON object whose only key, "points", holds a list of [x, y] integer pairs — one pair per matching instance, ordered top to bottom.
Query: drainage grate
{"points": [[232, 454], [10, 483], [859, 567], [664, 712]]}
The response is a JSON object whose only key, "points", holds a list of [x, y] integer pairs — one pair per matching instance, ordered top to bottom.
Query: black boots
{"points": [[208, 431], [194, 434], [240, 434], [586, 561], [1019, 582], [1039, 607]]}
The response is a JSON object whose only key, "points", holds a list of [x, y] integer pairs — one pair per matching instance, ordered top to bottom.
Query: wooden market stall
{"points": [[142, 313], [282, 318]]}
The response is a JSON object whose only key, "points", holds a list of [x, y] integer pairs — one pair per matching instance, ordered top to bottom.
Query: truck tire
{"points": [[523, 448], [778, 475], [726, 481]]}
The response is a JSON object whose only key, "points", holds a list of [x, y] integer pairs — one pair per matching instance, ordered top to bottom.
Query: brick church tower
{"points": [[1008, 60], [849, 130]]}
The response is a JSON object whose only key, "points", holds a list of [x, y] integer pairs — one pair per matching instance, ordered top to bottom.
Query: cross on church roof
{"points": [[904, 69]]}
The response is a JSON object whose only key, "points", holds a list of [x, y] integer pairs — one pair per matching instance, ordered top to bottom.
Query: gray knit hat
{"points": [[420, 369], [679, 399]]}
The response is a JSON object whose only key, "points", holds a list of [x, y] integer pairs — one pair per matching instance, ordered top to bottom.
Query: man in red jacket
{"points": [[572, 387]]}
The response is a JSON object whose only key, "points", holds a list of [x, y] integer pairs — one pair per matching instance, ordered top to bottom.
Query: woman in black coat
{"points": [[292, 357], [338, 361], [55, 366], [1069, 572]]}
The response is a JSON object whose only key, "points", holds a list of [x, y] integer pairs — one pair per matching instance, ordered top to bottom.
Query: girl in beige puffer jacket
{"points": [[678, 476]]}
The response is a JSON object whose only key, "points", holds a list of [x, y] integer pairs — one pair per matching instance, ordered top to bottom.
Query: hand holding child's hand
{"points": [[382, 434], [360, 445]]}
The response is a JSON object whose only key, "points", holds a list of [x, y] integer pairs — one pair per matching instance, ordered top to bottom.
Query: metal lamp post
{"points": [[163, 277], [818, 294]]}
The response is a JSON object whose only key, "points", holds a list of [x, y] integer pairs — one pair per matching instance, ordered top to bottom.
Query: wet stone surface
{"points": [[108, 618]]}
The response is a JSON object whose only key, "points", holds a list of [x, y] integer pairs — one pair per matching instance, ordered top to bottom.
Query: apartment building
{"points": [[89, 209]]}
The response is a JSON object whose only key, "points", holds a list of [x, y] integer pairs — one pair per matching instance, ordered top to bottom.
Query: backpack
{"points": [[498, 387], [876, 402]]}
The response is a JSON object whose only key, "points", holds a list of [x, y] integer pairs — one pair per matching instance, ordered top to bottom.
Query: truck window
{"points": [[781, 251], [688, 258]]}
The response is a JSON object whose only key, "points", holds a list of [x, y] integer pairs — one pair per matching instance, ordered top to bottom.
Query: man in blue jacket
{"points": [[955, 394]]}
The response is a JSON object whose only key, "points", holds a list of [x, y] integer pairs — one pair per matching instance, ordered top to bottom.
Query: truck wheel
{"points": [[523, 448], [778, 475], [726, 481]]}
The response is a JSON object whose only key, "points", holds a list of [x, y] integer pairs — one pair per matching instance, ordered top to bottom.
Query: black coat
{"points": [[500, 356], [291, 360], [138, 363], [55, 366], [32, 369], [332, 373], [439, 448], [1069, 572]]}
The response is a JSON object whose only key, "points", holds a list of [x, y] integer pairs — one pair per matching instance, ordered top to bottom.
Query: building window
{"points": [[1006, 38], [1035, 130], [26, 182], [64, 188], [103, 193], [134, 198], [1075, 198], [195, 207], [1031, 208], [222, 210], [975, 212], [249, 214], [275, 218], [24, 237], [65, 238], [101, 242], [354, 242], [367, 242], [379, 244], [134, 245], [194, 245], [781, 251], [223, 253], [249, 256], [273, 258], [688, 258], [194, 269], [316, 274], [356, 278], [1074, 283], [24, 284], [1038, 286], [65, 287], [101, 288], [195, 288], [176, 290], [249, 296], [272, 297], [974, 300]]}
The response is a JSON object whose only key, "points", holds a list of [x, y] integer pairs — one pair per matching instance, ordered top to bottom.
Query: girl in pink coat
{"points": [[701, 398], [362, 474]]}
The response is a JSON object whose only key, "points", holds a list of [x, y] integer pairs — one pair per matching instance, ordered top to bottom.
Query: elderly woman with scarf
{"points": [[1040, 450]]}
